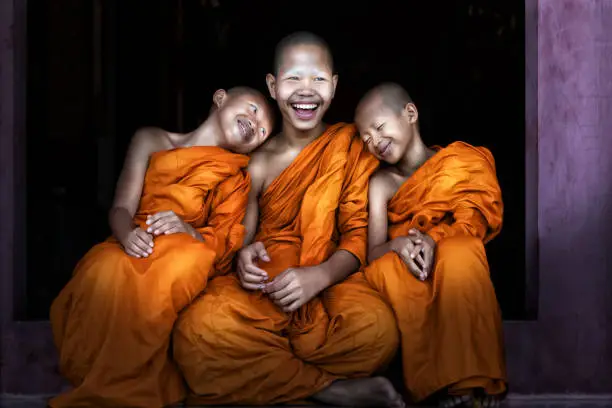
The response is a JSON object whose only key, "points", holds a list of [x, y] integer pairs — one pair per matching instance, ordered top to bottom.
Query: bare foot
{"points": [[363, 392], [451, 401], [484, 401], [487, 401]]}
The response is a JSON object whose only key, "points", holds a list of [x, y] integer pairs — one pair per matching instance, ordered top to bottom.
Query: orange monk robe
{"points": [[113, 321], [450, 325], [237, 347]]}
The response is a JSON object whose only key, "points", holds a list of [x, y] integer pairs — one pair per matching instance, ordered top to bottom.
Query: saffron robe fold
{"points": [[112, 322], [450, 325], [237, 347]]}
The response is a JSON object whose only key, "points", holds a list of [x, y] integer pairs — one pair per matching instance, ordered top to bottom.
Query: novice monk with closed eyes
{"points": [[430, 213], [176, 223], [297, 320]]}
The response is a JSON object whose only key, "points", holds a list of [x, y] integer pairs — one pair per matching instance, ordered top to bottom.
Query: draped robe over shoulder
{"points": [[112, 322], [450, 325], [237, 347]]}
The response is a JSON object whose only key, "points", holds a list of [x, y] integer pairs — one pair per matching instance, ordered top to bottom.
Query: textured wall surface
{"points": [[569, 347]]}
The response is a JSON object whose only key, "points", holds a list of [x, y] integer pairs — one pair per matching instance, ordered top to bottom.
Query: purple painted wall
{"points": [[568, 349]]}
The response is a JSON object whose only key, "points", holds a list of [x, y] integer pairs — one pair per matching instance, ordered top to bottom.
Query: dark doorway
{"points": [[157, 63]]}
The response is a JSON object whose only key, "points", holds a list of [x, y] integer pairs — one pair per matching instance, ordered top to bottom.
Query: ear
{"points": [[271, 82], [334, 83], [219, 97], [411, 113]]}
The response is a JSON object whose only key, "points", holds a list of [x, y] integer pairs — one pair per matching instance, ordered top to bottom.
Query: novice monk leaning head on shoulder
{"points": [[430, 212], [176, 222]]}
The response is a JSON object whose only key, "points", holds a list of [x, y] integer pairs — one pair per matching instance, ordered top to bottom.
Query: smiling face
{"points": [[304, 85], [245, 119], [387, 133]]}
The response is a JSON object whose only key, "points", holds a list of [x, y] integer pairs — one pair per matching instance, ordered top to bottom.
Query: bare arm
{"points": [[257, 173], [131, 180], [378, 196]]}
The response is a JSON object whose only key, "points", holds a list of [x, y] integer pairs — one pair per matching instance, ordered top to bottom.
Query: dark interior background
{"points": [[100, 69]]}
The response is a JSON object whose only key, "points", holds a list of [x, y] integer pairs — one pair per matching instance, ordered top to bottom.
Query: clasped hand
{"points": [[139, 243], [417, 251], [290, 290]]}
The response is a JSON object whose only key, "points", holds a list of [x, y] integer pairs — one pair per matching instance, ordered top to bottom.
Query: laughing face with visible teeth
{"points": [[304, 86], [245, 120], [388, 134]]}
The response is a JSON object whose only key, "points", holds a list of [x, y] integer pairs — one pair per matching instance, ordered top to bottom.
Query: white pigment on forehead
{"points": [[300, 62]]}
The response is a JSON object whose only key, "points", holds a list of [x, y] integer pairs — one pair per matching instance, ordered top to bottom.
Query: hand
{"points": [[167, 222], [138, 243], [423, 244], [411, 255], [252, 277], [296, 287]]}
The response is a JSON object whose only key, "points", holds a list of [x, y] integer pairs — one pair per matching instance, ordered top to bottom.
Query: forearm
{"points": [[121, 222], [382, 249], [339, 266]]}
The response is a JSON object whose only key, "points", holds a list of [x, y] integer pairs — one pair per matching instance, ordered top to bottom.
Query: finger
{"points": [[154, 217], [157, 225], [174, 230], [414, 231], [147, 238], [142, 242], [138, 245], [415, 251], [261, 252], [132, 253], [428, 258], [412, 266], [252, 268], [251, 278], [279, 282], [250, 286], [282, 293], [288, 299], [292, 307]]}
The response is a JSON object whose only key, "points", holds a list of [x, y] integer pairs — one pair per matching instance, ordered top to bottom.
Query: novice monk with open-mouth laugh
{"points": [[431, 212], [176, 224], [297, 320]]}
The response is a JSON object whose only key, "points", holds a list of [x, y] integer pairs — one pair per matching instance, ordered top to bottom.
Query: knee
{"points": [[461, 261], [376, 330]]}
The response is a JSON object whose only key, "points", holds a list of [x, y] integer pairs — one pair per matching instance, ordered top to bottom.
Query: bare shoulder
{"points": [[148, 140], [263, 156], [382, 185]]}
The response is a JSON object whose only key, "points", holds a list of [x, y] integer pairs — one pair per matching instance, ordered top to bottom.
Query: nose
{"points": [[306, 87]]}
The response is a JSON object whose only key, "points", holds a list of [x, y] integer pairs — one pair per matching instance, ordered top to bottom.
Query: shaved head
{"points": [[298, 39], [244, 90], [239, 91], [392, 96]]}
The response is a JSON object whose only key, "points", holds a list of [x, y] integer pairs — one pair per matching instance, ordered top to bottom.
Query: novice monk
{"points": [[430, 213], [176, 223], [296, 321]]}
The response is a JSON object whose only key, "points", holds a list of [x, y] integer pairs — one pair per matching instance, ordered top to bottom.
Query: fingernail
{"points": [[148, 221], [148, 229], [156, 232], [150, 243], [150, 251], [412, 256]]}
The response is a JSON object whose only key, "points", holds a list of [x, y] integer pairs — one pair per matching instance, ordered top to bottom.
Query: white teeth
{"points": [[304, 105]]}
